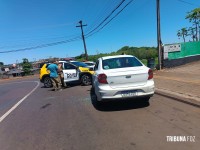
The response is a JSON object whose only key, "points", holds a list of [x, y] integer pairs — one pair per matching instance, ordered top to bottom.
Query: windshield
{"points": [[120, 62], [79, 64], [89, 64]]}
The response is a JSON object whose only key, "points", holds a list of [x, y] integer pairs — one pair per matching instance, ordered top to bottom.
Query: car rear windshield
{"points": [[121, 62]]}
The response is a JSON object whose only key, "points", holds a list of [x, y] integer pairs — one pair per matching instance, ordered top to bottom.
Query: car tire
{"points": [[86, 79], [47, 82], [92, 86], [95, 99], [146, 99], [98, 103]]}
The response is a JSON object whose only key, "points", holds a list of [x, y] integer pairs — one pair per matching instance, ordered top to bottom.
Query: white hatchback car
{"points": [[122, 76]]}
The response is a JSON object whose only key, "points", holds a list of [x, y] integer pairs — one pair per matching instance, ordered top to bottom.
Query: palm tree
{"points": [[194, 17], [182, 33], [191, 33], [179, 34]]}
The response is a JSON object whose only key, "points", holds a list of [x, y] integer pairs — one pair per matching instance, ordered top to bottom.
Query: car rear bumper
{"points": [[104, 92]]}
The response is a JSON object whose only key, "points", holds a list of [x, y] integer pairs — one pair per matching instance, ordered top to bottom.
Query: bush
{"points": [[26, 67]]}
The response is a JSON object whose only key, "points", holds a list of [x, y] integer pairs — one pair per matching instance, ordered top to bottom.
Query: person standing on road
{"points": [[53, 68], [61, 75]]}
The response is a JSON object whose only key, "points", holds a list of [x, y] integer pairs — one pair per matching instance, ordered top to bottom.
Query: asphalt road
{"points": [[69, 120]]}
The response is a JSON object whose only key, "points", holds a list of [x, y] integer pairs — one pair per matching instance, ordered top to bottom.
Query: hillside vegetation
{"points": [[139, 52]]}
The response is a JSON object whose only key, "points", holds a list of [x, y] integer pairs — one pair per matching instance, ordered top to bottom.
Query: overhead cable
{"points": [[187, 2], [107, 16], [93, 31], [88, 35], [43, 45]]}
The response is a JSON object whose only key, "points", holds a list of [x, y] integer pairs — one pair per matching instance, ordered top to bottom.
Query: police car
{"points": [[73, 71]]}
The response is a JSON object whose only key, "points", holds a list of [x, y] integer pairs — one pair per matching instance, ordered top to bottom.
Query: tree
{"points": [[194, 17], [182, 33], [191, 33], [123, 50], [139, 52], [150, 54], [26, 65]]}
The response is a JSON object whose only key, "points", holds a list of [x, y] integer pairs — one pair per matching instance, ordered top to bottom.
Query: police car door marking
{"points": [[71, 75]]}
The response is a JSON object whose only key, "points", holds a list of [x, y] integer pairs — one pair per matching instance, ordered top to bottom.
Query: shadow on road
{"points": [[69, 85], [44, 87], [118, 105]]}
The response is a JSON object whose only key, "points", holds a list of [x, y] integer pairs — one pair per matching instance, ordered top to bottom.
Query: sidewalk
{"points": [[182, 82]]}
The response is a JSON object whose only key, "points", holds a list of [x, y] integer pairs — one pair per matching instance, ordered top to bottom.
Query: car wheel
{"points": [[86, 79], [47, 82], [95, 99], [146, 99], [98, 103]]}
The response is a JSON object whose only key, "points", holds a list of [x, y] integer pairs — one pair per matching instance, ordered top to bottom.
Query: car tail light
{"points": [[150, 73], [102, 78]]}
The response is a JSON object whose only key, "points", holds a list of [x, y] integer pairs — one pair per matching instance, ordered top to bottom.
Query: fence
{"points": [[188, 52]]}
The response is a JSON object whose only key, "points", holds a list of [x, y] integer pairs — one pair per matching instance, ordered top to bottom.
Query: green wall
{"points": [[187, 49]]}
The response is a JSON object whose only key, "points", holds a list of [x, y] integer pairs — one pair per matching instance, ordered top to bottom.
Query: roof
{"points": [[116, 56]]}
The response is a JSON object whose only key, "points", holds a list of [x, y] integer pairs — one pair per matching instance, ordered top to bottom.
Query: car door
{"points": [[70, 72]]}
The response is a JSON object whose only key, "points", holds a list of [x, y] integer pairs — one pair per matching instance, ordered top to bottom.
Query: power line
{"points": [[187, 2], [101, 14], [107, 16], [110, 19], [78, 37], [43, 45], [32, 47]]}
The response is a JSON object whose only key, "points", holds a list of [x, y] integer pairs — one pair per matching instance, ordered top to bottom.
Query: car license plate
{"points": [[128, 93]]}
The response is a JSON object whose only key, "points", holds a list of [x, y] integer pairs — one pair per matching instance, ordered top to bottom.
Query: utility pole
{"points": [[159, 35], [83, 37]]}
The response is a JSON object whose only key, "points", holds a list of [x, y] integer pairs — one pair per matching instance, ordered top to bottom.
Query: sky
{"points": [[39, 29]]}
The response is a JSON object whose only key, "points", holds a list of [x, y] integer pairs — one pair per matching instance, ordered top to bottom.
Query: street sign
{"points": [[172, 48]]}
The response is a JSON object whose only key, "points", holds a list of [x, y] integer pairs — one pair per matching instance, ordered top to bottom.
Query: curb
{"points": [[187, 99]]}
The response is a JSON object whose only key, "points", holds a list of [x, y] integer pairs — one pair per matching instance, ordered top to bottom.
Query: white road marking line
{"points": [[19, 102]]}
